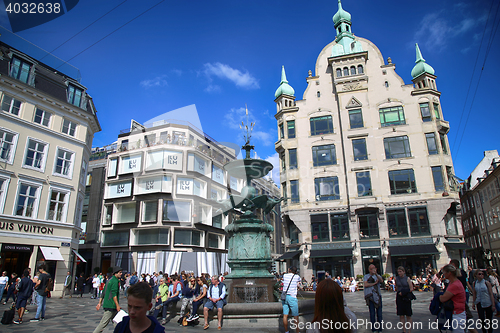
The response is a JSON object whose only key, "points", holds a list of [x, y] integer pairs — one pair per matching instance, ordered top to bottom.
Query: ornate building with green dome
{"points": [[365, 164]]}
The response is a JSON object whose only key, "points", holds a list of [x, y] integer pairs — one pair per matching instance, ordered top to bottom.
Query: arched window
{"points": [[346, 28], [339, 30], [360, 69], [353, 70], [346, 71], [339, 72], [386, 84], [419, 86], [318, 93]]}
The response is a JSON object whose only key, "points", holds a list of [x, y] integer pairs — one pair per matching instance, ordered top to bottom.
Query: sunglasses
{"points": [[480, 274]]}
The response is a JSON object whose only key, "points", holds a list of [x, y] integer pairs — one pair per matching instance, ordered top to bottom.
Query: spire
{"points": [[341, 16], [421, 66], [284, 88]]}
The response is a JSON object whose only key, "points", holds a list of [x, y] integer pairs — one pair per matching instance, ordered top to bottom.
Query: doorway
{"points": [[372, 257]]}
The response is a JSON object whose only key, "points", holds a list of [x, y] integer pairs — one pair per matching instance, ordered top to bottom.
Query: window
{"points": [[360, 69], [20, 70], [353, 70], [346, 71], [339, 72], [74, 95], [11, 105], [436, 110], [426, 113], [392, 116], [42, 117], [356, 118], [321, 125], [69, 127], [291, 129], [282, 131], [442, 138], [8, 142], [431, 143], [397, 147], [359, 149], [35, 154], [324, 155], [292, 158], [283, 162], [64, 163], [83, 172], [437, 175], [402, 181], [364, 183], [4, 184], [294, 188], [327, 188], [285, 194], [27, 200], [58, 205], [149, 211], [178, 211], [125, 213], [108, 214], [396, 220], [217, 221], [419, 222], [368, 224], [451, 224], [340, 227], [319, 228], [293, 232], [152, 236], [187, 237], [114, 238], [213, 241]]}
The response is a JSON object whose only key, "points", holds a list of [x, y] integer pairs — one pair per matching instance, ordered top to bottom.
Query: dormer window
{"points": [[20, 70], [74, 95]]}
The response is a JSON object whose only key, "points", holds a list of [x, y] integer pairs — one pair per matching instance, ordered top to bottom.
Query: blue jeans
{"points": [[2, 288], [41, 300], [167, 302], [371, 307]]}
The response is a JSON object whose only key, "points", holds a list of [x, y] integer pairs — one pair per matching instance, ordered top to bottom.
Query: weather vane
{"points": [[248, 128]]}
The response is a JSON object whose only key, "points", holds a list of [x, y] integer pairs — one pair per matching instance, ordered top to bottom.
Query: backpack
{"points": [[50, 285], [8, 316]]}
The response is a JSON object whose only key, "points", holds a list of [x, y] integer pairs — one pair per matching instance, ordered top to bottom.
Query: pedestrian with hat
{"points": [[109, 299]]}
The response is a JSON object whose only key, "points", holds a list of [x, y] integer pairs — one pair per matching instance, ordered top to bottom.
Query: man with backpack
{"points": [[43, 286], [24, 291], [216, 296]]}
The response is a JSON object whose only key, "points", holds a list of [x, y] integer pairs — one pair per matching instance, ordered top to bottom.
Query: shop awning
{"points": [[457, 246], [413, 250], [51, 253], [331, 253], [79, 255], [290, 255]]}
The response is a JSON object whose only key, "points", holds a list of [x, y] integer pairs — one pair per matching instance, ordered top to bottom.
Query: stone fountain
{"points": [[249, 253]]}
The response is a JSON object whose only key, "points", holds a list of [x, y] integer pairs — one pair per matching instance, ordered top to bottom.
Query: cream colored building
{"points": [[47, 122], [366, 166], [160, 211]]}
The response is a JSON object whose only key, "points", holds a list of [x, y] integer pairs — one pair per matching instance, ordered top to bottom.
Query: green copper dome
{"points": [[341, 15], [421, 66], [284, 88]]}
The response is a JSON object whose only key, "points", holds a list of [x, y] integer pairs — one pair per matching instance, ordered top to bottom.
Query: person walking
{"points": [[493, 279], [4, 280], [291, 281], [96, 282], [372, 282], [67, 285], [80, 285], [12, 288], [404, 288], [25, 289], [42, 290], [456, 292], [109, 299], [483, 299], [329, 305]]}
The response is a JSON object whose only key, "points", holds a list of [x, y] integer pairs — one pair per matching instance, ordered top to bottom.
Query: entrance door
{"points": [[372, 257], [16, 262]]}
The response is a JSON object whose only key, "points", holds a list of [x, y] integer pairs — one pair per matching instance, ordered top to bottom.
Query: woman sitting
{"points": [[354, 285]]}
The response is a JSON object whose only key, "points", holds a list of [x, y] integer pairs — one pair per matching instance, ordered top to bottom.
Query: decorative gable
{"points": [[353, 103]]}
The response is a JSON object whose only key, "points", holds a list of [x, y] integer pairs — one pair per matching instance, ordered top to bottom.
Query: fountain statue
{"points": [[249, 253]]}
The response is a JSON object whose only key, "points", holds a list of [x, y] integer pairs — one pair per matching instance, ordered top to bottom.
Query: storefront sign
{"points": [[154, 184], [118, 190], [21, 227], [410, 241], [331, 246], [17, 248]]}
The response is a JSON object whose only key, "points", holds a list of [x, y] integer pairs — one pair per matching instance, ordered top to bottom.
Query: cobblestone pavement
{"points": [[78, 315]]}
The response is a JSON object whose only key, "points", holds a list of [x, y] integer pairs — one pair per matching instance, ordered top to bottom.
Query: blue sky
{"points": [[221, 55]]}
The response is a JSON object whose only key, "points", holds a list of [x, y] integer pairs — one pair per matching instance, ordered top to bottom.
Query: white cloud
{"points": [[177, 72], [226, 72], [158, 81], [213, 88], [265, 137], [275, 161]]}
